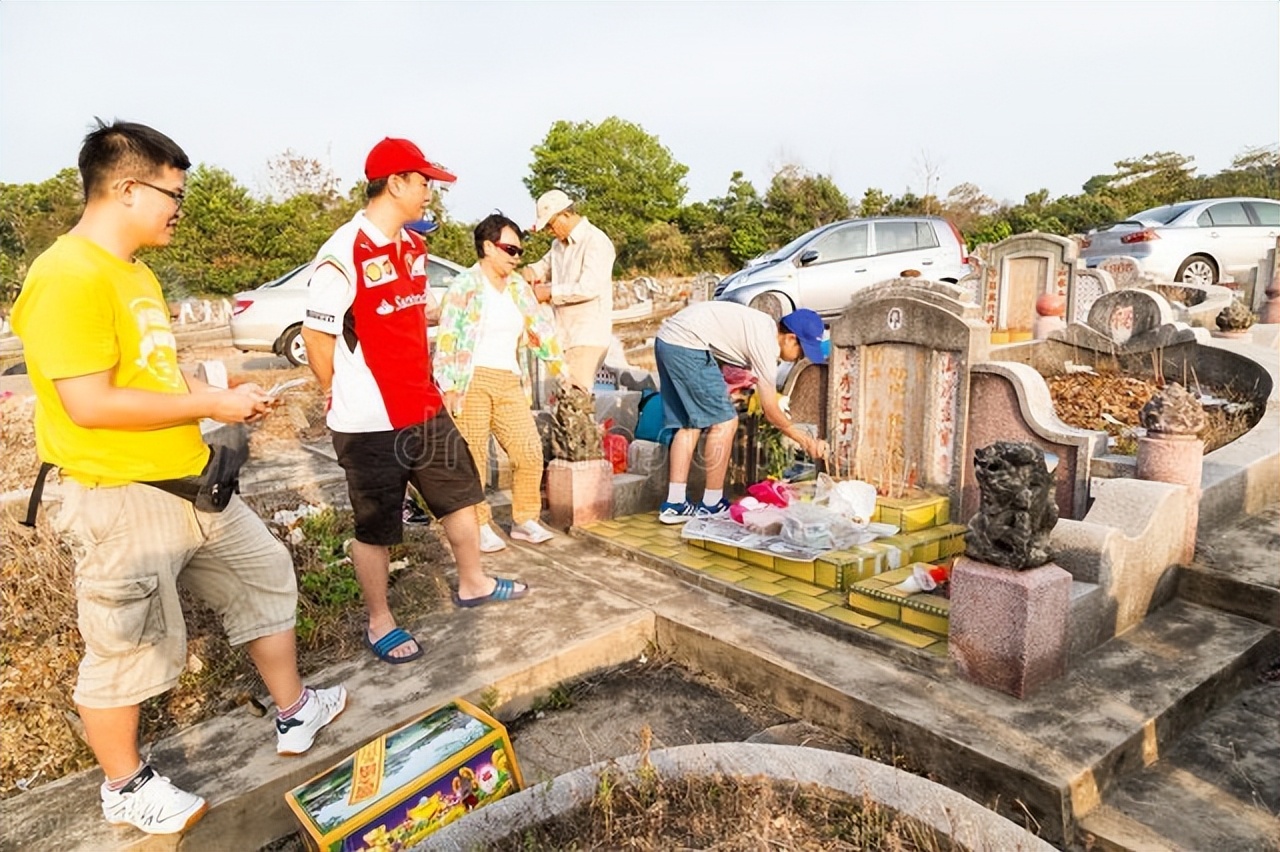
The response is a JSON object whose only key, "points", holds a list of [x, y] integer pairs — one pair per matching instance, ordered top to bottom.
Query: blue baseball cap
{"points": [[423, 226], [808, 328]]}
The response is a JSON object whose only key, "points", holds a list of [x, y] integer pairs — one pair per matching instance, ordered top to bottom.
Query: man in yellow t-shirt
{"points": [[113, 412]]}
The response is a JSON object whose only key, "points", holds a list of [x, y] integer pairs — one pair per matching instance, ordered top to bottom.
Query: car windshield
{"points": [[1162, 215], [790, 248]]}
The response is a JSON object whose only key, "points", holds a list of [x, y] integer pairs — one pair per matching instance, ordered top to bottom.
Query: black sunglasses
{"points": [[178, 196], [514, 251]]}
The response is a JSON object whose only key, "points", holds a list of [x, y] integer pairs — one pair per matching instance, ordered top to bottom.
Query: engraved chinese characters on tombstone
{"points": [[1125, 271], [1120, 324], [898, 385]]}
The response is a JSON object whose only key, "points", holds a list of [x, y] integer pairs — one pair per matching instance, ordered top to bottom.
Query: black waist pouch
{"points": [[211, 491]]}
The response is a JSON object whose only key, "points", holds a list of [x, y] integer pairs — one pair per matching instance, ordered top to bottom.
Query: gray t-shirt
{"points": [[733, 333]]}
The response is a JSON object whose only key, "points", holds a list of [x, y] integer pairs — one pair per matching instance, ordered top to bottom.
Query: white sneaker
{"points": [[532, 532], [490, 541], [295, 735], [150, 803]]}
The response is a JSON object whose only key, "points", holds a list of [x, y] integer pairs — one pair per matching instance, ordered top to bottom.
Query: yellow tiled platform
{"points": [[821, 586], [921, 611]]}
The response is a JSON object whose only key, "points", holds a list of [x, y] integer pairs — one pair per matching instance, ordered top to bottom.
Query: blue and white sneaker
{"points": [[704, 511], [676, 513]]}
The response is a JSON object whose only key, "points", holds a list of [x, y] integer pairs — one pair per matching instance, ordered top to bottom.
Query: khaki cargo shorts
{"points": [[133, 544]]}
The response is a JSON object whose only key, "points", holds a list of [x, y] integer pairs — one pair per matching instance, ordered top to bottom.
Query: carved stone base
{"points": [[579, 493], [1009, 628]]}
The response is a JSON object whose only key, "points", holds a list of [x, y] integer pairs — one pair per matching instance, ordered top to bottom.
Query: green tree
{"points": [[1254, 172], [622, 178], [1147, 181], [798, 201], [874, 201], [742, 214], [32, 216], [708, 236], [455, 241], [666, 250]]}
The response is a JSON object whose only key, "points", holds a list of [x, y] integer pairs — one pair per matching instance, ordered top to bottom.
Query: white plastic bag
{"points": [[851, 499], [819, 528]]}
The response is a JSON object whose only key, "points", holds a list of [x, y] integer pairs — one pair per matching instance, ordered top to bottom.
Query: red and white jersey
{"points": [[371, 292]]}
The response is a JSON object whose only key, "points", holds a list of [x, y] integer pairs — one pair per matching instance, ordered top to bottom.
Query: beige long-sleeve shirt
{"points": [[580, 270]]}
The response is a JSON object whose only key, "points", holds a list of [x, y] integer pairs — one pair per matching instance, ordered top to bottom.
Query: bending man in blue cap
{"points": [[690, 348]]}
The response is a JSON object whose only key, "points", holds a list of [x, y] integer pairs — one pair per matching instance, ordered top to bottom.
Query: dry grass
{"points": [[1081, 400], [18, 442], [40, 646], [39, 651], [646, 812]]}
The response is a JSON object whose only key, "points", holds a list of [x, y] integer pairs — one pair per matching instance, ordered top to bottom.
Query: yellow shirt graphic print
{"points": [[157, 347]]}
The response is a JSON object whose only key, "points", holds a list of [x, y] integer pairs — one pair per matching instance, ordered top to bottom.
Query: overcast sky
{"points": [[1011, 96]]}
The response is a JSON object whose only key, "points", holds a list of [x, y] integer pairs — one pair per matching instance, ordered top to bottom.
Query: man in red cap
{"points": [[366, 337]]}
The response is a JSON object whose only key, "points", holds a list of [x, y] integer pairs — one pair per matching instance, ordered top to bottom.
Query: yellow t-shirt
{"points": [[83, 310]]}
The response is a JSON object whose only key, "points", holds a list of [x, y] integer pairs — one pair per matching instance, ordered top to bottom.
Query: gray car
{"points": [[1193, 242], [819, 270], [269, 318]]}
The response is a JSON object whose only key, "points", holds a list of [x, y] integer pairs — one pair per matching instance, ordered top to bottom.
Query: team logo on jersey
{"points": [[417, 266], [379, 271], [384, 308]]}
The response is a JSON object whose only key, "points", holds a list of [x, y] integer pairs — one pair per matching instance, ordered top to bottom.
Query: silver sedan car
{"points": [[1193, 242], [820, 269], [269, 318]]}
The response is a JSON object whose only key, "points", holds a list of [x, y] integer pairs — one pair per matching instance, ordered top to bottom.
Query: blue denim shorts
{"points": [[694, 395]]}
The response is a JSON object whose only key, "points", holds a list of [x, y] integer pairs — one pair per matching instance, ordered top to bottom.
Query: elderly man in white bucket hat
{"points": [[576, 278]]}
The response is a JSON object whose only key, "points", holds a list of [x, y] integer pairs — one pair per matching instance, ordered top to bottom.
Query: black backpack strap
{"points": [[37, 491]]}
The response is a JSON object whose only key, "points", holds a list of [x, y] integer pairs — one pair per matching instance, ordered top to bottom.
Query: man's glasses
{"points": [[178, 195], [514, 251]]}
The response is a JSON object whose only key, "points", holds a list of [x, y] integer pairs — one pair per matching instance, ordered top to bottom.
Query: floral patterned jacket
{"points": [[460, 326]]}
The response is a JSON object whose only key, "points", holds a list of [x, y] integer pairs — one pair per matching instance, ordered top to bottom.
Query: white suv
{"points": [[821, 269]]}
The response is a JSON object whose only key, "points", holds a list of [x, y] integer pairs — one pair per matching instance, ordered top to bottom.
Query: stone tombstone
{"points": [[1019, 270], [1125, 271], [971, 284], [1090, 285], [1125, 315], [898, 385], [806, 389], [1017, 511]]}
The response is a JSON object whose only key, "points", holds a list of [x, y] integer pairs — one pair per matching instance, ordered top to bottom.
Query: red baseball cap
{"points": [[397, 156]]}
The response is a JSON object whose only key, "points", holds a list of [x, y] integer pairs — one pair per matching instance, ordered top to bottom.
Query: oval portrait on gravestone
{"points": [[894, 320]]}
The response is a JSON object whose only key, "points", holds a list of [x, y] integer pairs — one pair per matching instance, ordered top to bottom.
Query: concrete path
{"points": [[1044, 762]]}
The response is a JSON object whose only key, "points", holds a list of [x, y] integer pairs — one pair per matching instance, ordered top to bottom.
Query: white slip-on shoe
{"points": [[532, 532], [490, 541], [295, 735], [150, 803]]}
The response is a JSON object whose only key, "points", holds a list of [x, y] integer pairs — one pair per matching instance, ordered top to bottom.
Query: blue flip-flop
{"points": [[505, 590], [396, 637]]}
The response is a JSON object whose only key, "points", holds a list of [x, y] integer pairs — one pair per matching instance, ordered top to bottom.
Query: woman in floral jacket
{"points": [[489, 316]]}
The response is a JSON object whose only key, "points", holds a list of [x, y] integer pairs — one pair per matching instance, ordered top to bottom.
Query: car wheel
{"points": [[1197, 269], [772, 304], [293, 347]]}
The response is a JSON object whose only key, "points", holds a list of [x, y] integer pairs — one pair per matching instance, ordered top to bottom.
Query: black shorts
{"points": [[432, 455]]}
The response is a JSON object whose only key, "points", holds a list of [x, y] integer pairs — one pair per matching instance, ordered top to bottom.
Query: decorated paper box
{"points": [[405, 784]]}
